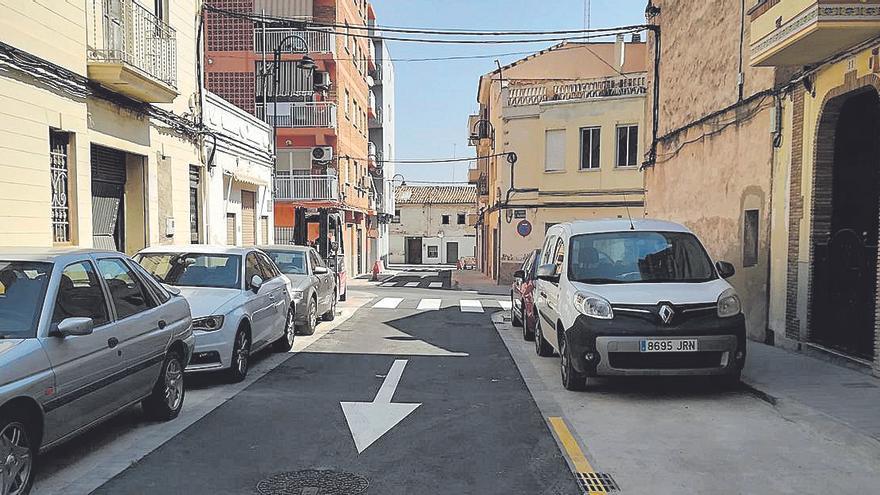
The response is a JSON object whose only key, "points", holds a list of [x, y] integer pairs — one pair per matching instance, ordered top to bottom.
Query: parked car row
{"points": [[621, 297], [84, 334]]}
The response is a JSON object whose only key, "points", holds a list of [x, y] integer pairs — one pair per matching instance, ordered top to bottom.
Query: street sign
{"points": [[524, 228], [368, 421]]}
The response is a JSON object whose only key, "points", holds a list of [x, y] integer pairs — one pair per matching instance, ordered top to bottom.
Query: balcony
{"points": [[805, 32], [316, 41], [133, 53], [605, 87], [371, 108], [311, 114], [375, 121], [307, 188]]}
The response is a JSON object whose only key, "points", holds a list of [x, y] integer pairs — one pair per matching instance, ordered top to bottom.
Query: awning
{"points": [[250, 173]]}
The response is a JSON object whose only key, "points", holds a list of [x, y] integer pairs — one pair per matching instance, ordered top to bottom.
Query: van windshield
{"points": [[638, 257]]}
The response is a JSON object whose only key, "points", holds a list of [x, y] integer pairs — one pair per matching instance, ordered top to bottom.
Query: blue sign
{"points": [[524, 228]]}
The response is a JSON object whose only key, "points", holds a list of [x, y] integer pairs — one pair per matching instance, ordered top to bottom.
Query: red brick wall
{"points": [[225, 33], [235, 87]]}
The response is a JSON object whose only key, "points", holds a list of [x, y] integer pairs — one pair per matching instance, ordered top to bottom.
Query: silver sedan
{"points": [[312, 284], [83, 335]]}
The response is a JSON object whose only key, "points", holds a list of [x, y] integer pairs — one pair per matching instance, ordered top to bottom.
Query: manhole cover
{"points": [[313, 482]]}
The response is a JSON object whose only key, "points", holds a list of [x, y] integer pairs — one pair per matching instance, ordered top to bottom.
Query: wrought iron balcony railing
{"points": [[316, 41], [300, 114], [307, 188]]}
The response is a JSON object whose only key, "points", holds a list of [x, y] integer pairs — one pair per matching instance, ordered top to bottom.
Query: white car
{"points": [[616, 297], [240, 302]]}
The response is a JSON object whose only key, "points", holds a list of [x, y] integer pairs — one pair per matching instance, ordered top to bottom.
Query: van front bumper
{"points": [[613, 347]]}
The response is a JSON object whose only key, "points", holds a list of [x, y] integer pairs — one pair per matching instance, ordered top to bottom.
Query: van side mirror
{"points": [[725, 269], [548, 273], [256, 283], [74, 326]]}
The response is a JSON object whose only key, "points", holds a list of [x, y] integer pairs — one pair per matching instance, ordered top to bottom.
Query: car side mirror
{"points": [[725, 269], [320, 270], [547, 272], [519, 275], [256, 283], [172, 290], [74, 326]]}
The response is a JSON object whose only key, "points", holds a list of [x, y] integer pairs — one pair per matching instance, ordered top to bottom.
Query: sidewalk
{"points": [[474, 280], [836, 400]]}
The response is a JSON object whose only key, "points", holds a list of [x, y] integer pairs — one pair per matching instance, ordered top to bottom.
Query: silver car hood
{"points": [[300, 282], [205, 301]]}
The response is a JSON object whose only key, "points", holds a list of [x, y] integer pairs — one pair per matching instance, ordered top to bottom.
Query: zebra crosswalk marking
{"points": [[412, 284], [436, 285], [388, 303], [429, 304], [504, 304], [470, 306]]}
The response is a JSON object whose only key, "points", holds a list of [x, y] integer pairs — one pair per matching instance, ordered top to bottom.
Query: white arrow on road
{"points": [[368, 421]]}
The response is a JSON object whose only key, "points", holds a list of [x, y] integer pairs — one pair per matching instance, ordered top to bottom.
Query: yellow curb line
{"points": [[572, 449]]}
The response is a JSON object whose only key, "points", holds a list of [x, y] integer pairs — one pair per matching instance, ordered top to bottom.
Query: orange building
{"points": [[323, 166]]}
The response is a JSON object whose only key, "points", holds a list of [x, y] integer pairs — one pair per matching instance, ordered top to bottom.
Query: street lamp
{"points": [[394, 180]]}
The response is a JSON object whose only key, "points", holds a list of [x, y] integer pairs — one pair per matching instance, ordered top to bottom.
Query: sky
{"points": [[435, 98]]}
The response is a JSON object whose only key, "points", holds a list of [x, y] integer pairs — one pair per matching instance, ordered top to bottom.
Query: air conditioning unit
{"points": [[322, 81], [322, 153]]}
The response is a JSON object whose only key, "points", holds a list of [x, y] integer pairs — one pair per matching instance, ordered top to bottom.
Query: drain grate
{"points": [[313, 482], [597, 483]]}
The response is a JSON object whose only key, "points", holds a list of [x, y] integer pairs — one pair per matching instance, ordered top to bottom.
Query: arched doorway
{"points": [[845, 224]]}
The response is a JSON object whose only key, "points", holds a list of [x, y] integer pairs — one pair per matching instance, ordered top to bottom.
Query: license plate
{"points": [[669, 345]]}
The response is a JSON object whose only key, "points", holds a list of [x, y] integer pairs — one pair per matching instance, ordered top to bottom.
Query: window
{"points": [[347, 105], [590, 139], [627, 145], [554, 152], [60, 175], [396, 217], [461, 219], [445, 220], [195, 234], [750, 238], [433, 251], [549, 251], [559, 257], [314, 260], [292, 262], [251, 268], [268, 268], [194, 269], [22, 290], [126, 291], [160, 294], [80, 295]]}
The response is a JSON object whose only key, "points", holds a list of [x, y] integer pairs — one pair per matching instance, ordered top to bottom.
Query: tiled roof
{"points": [[436, 195]]}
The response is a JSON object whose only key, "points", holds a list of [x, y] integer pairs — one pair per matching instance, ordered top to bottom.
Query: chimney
{"points": [[636, 38], [619, 52]]}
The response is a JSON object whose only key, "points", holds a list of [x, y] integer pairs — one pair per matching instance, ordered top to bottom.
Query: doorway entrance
{"points": [[108, 198], [845, 230], [414, 250], [451, 253]]}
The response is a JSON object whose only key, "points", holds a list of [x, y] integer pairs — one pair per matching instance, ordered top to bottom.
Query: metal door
{"points": [[108, 193], [248, 218], [414, 250], [451, 253]]}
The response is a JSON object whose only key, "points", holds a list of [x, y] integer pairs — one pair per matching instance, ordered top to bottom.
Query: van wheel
{"points": [[542, 347], [571, 379], [166, 400], [17, 453]]}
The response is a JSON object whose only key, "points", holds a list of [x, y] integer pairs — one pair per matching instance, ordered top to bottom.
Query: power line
{"points": [[426, 160]]}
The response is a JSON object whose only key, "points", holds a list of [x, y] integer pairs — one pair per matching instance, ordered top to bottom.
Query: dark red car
{"points": [[522, 299]]}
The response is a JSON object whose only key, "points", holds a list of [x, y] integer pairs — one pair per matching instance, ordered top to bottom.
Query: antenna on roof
{"points": [[587, 9], [628, 214]]}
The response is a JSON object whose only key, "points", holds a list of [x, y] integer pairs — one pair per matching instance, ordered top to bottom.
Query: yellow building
{"points": [[572, 116], [98, 144], [824, 275]]}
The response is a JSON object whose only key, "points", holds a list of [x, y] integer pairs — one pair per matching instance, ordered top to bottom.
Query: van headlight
{"points": [[729, 304], [593, 306], [208, 323]]}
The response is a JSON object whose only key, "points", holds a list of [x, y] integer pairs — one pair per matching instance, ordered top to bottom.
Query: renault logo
{"points": [[666, 313]]}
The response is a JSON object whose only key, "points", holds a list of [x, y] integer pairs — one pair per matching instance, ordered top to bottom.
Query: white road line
{"points": [[389, 284], [412, 284], [436, 285], [388, 303], [429, 304], [504, 304], [470, 306]]}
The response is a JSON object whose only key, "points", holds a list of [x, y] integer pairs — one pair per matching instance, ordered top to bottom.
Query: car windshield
{"points": [[639, 257], [289, 262], [194, 269], [22, 288]]}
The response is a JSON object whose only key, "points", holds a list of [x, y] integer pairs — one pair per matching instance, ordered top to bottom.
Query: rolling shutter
{"points": [[248, 218], [230, 229]]}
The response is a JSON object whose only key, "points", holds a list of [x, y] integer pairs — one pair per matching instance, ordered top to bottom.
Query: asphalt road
{"points": [[477, 430]]}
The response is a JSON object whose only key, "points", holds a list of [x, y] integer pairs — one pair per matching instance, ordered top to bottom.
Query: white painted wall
{"points": [[425, 221]]}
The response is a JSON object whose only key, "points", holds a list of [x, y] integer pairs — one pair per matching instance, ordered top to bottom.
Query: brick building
{"points": [[323, 185]]}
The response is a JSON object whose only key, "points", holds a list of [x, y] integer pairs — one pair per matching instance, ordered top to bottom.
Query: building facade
{"points": [[573, 117], [98, 139], [382, 148], [323, 187], [233, 200], [431, 225], [824, 275]]}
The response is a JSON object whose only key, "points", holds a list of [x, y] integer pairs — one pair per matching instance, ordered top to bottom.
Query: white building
{"points": [[382, 148], [237, 189], [430, 225]]}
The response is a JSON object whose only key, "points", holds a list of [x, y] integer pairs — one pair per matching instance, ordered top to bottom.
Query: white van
{"points": [[616, 297]]}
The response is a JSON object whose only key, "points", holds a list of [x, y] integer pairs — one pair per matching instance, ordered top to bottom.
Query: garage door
{"points": [[248, 218], [230, 229]]}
